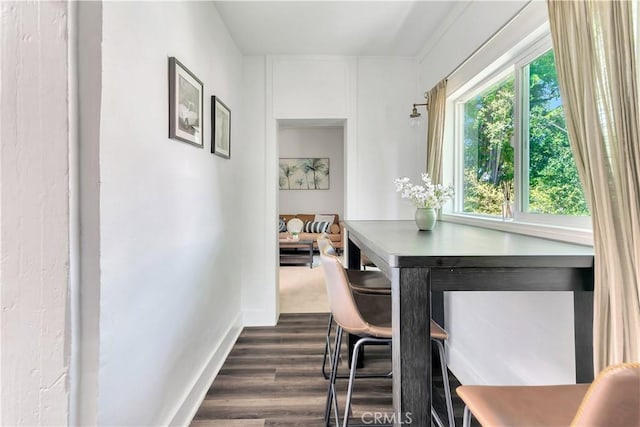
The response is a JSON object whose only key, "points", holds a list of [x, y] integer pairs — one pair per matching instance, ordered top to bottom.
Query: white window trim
{"points": [[572, 229], [579, 236]]}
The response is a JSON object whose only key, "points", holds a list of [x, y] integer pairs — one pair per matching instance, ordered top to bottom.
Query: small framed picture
{"points": [[185, 104], [221, 135]]}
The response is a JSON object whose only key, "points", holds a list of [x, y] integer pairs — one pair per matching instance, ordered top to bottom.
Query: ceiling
{"points": [[359, 28]]}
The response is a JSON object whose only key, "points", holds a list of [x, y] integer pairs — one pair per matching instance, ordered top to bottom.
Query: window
{"points": [[488, 155], [514, 156], [553, 186]]}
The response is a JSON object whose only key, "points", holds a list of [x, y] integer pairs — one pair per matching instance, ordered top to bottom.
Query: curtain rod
{"points": [[493, 36]]}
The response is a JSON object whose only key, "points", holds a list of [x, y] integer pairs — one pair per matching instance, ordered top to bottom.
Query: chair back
{"points": [[325, 245], [341, 302], [613, 399]]}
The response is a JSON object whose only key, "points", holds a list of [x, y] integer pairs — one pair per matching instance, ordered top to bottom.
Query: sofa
{"points": [[334, 232]]}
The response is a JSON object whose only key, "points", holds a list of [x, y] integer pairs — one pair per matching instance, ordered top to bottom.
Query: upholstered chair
{"points": [[363, 282], [369, 321], [612, 400]]}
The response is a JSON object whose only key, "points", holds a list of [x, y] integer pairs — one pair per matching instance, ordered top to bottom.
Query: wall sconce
{"points": [[415, 118]]}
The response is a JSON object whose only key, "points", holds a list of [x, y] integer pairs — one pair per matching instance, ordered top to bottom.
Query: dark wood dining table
{"points": [[455, 257]]}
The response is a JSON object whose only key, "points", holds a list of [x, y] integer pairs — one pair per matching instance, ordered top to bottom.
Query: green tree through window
{"points": [[488, 155], [550, 178], [554, 185]]}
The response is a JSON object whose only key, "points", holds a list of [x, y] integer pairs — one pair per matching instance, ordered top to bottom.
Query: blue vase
{"points": [[426, 218]]}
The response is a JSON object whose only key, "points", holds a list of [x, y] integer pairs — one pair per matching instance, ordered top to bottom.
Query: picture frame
{"points": [[186, 102], [221, 133], [304, 173]]}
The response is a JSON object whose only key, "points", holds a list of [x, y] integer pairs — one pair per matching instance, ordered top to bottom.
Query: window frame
{"points": [[481, 86], [565, 227]]}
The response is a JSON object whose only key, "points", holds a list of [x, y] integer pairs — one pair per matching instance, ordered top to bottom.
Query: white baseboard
{"points": [[259, 318], [194, 398]]}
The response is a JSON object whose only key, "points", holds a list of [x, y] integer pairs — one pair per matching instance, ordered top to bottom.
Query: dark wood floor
{"points": [[272, 378]]}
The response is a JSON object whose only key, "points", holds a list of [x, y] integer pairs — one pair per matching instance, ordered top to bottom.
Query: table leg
{"points": [[311, 255], [353, 255], [411, 304], [583, 329]]}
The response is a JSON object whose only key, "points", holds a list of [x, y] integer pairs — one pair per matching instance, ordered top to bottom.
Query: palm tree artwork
{"points": [[317, 168], [286, 171], [304, 174]]}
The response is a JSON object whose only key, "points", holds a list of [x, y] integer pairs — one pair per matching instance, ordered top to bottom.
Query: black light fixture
{"points": [[415, 118]]}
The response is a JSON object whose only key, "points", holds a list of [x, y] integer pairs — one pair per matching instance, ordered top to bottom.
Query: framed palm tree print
{"points": [[304, 174]]}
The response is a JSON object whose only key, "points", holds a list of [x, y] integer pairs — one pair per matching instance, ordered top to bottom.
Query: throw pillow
{"points": [[324, 218], [295, 225], [282, 226], [316, 227]]}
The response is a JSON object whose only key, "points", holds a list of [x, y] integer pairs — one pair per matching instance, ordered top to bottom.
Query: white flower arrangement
{"points": [[427, 195]]}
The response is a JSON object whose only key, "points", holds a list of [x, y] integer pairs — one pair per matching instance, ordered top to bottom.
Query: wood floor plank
{"points": [[272, 378], [288, 422], [228, 423]]}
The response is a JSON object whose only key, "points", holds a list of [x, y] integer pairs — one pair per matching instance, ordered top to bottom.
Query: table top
{"points": [[289, 242], [451, 245]]}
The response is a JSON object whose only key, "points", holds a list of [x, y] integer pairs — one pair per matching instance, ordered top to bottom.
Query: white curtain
{"points": [[597, 71], [436, 104]]}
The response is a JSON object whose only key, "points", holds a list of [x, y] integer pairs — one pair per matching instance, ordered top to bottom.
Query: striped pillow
{"points": [[282, 226], [316, 227]]}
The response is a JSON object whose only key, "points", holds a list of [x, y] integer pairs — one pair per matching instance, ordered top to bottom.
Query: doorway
{"points": [[311, 181]]}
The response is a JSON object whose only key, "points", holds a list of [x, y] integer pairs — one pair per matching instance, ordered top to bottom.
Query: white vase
{"points": [[426, 218]]}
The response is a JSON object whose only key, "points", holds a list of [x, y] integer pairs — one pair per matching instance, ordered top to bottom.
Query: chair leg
{"points": [[327, 348], [328, 354], [352, 373], [352, 376], [445, 381], [332, 400], [336, 411], [435, 416], [466, 417]]}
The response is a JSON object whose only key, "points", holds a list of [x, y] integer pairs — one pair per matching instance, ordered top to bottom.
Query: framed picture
{"points": [[185, 104], [221, 135], [304, 174]]}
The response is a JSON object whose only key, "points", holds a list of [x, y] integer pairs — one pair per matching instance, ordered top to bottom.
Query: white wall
{"points": [[312, 87], [317, 142], [386, 147], [256, 193], [34, 211], [169, 224], [86, 293], [499, 338]]}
